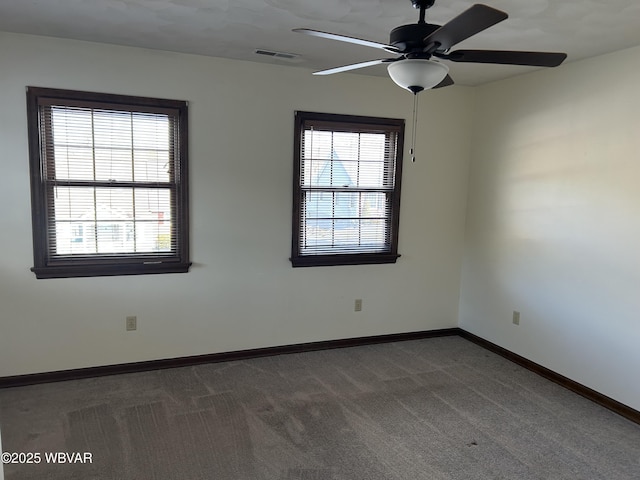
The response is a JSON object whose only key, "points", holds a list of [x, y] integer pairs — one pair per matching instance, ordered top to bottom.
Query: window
{"points": [[108, 184], [346, 191]]}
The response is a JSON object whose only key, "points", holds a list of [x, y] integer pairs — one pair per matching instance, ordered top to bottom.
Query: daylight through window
{"points": [[108, 184], [347, 189]]}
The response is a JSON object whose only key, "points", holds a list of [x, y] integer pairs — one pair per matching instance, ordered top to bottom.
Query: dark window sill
{"points": [[330, 260], [72, 271]]}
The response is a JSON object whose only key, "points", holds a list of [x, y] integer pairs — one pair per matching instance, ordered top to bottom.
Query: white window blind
{"points": [[111, 179], [111, 186], [347, 193]]}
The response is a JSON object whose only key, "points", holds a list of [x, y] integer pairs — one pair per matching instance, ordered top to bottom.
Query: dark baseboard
{"points": [[89, 372], [80, 373], [597, 397]]}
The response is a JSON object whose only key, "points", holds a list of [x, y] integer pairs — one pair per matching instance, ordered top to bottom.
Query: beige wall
{"points": [[552, 223], [553, 227], [242, 292]]}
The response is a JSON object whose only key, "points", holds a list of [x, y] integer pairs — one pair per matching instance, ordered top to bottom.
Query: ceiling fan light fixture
{"points": [[417, 74]]}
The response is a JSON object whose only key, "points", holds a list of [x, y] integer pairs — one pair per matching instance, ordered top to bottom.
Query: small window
{"points": [[108, 184], [346, 191]]}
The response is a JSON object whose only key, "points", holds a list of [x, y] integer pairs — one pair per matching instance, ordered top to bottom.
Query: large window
{"points": [[108, 184], [346, 191]]}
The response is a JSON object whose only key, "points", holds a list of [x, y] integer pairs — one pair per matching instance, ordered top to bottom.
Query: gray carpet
{"points": [[433, 409]]}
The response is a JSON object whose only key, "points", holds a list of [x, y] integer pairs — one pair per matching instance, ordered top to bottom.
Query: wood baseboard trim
{"points": [[89, 372], [597, 397]]}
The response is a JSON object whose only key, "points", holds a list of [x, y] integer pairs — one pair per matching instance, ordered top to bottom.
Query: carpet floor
{"points": [[440, 408]]}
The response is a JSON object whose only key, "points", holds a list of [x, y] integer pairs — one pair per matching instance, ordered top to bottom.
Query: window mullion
{"points": [[133, 190], [360, 194], [95, 199]]}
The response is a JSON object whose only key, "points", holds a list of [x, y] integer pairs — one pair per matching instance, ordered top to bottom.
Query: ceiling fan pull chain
{"points": [[414, 128]]}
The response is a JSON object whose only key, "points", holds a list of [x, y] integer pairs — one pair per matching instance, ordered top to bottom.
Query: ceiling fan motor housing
{"points": [[409, 38]]}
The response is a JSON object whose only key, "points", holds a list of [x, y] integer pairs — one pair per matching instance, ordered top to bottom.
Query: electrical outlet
{"points": [[358, 305], [516, 318], [132, 323]]}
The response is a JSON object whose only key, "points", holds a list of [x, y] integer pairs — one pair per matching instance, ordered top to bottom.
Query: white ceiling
{"points": [[235, 28]]}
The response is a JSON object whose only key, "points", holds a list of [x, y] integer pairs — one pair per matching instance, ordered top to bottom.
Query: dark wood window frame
{"points": [[394, 151], [48, 263]]}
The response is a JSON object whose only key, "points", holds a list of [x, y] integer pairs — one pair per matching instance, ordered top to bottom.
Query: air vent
{"points": [[280, 55]]}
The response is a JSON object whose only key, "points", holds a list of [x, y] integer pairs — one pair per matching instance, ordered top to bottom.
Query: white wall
{"points": [[553, 223], [242, 292]]}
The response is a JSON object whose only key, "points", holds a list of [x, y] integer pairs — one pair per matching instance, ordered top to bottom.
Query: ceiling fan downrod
{"points": [[422, 5]]}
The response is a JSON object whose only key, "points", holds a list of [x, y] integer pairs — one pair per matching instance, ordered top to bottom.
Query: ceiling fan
{"points": [[416, 44]]}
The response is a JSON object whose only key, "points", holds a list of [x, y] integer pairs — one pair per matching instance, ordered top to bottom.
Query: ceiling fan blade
{"points": [[474, 20], [344, 38], [506, 57], [355, 66], [445, 83]]}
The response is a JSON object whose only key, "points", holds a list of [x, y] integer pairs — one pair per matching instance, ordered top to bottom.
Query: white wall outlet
{"points": [[358, 305], [516, 318], [132, 323]]}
